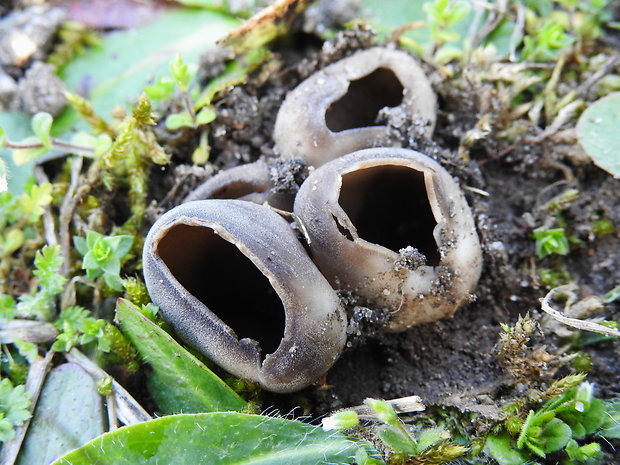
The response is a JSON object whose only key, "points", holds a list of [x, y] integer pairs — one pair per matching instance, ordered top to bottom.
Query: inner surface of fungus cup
{"points": [[334, 111], [392, 226], [234, 282]]}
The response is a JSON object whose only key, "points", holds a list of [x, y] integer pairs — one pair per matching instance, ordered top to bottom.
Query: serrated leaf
{"points": [[180, 72], [115, 73], [41, 126], [597, 132], [179, 382], [429, 437], [218, 438], [396, 441]]}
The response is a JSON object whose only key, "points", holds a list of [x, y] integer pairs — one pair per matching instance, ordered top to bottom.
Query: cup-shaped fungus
{"points": [[333, 112], [251, 182], [392, 226], [234, 282]]}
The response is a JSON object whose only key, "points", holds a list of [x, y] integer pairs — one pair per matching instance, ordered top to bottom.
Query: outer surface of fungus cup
{"points": [[333, 112], [251, 182], [392, 226], [234, 282]]}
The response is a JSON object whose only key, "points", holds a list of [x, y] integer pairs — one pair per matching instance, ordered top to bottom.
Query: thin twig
{"points": [[517, 33], [67, 208], [300, 223], [583, 325], [34, 383], [129, 412], [112, 413]]}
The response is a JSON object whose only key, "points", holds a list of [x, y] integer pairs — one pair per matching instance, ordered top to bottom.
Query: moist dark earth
{"points": [[452, 362]]}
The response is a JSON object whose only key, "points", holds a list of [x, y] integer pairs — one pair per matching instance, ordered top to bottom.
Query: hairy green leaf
{"points": [[217, 438]]}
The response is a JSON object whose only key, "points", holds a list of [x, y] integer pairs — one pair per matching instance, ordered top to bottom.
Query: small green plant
{"points": [[547, 44], [191, 116], [42, 142], [550, 241], [103, 256], [50, 283], [14, 403], [558, 425], [430, 446]]}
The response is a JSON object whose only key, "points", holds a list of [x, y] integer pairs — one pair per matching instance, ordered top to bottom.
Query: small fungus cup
{"points": [[333, 112], [392, 226], [234, 282]]}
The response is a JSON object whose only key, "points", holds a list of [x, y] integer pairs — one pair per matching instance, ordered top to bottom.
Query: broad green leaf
{"points": [[115, 72], [16, 125], [597, 131], [179, 382], [69, 413], [217, 438], [503, 449]]}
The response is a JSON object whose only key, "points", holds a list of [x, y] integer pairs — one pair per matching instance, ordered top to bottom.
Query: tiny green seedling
{"points": [[550, 241], [103, 255], [14, 403]]}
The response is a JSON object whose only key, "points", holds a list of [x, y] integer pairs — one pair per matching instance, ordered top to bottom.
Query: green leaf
{"points": [[180, 72], [117, 73], [205, 116], [176, 121], [17, 126], [41, 126], [597, 132], [25, 156], [32, 202], [179, 382], [14, 403], [69, 413], [611, 426], [555, 435], [429, 437], [218, 438], [396, 441], [503, 449]]}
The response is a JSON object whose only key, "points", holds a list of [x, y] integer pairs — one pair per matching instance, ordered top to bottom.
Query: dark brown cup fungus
{"points": [[333, 112], [251, 182], [392, 226], [234, 282]]}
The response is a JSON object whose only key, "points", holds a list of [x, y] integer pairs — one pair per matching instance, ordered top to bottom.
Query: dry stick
{"points": [[517, 33], [597, 76], [69, 204], [48, 221], [583, 325], [34, 383], [401, 405], [112, 412], [130, 412]]}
